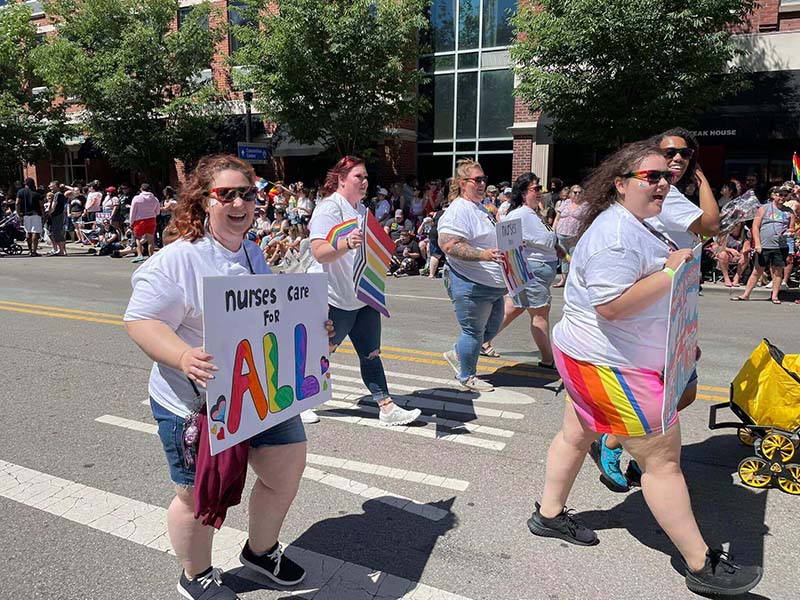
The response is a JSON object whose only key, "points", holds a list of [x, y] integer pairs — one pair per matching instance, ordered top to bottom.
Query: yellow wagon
{"points": [[765, 396]]}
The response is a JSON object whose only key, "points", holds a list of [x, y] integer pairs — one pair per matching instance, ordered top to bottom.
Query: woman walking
{"points": [[567, 224], [334, 238], [540, 250], [473, 277], [165, 318], [609, 349]]}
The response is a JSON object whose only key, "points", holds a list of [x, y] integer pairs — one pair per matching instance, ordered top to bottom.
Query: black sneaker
{"points": [[633, 474], [564, 527], [274, 564], [722, 577], [206, 586]]}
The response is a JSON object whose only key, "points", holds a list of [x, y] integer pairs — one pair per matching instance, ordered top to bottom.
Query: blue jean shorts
{"points": [[537, 293], [170, 430]]}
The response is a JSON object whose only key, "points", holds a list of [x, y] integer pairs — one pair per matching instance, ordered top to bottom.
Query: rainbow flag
{"points": [[796, 167], [261, 183], [341, 230], [372, 261], [515, 270]]}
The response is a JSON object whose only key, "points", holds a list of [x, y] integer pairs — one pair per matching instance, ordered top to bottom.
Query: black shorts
{"points": [[773, 257]]}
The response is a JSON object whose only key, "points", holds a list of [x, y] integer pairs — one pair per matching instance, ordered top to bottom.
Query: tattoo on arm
{"points": [[457, 247]]}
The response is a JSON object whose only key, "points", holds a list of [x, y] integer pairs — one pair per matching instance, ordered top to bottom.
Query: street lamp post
{"points": [[248, 98]]}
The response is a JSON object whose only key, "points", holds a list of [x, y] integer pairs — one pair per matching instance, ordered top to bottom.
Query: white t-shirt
{"points": [[93, 201], [305, 204], [383, 209], [503, 210], [331, 212], [677, 215], [473, 223], [539, 240], [614, 253], [168, 288]]}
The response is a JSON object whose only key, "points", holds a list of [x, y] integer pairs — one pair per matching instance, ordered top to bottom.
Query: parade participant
{"points": [[145, 207], [30, 209], [682, 222], [567, 224], [771, 226], [334, 248], [540, 250], [473, 277], [165, 318], [609, 348]]}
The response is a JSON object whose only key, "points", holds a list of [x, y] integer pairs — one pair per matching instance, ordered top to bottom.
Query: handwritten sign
{"points": [[515, 269], [267, 336], [681, 356]]}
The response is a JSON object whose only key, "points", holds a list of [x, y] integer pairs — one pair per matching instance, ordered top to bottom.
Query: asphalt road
{"points": [[472, 472]]}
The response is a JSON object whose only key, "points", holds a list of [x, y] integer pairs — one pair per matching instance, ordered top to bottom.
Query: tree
{"points": [[619, 70], [336, 72], [136, 77], [30, 125]]}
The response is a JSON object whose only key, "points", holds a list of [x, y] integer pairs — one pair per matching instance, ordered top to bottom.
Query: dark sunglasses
{"points": [[686, 153], [651, 176], [478, 180], [536, 188], [226, 195]]}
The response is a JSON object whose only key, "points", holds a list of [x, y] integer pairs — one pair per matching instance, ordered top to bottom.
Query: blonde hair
{"points": [[463, 167]]}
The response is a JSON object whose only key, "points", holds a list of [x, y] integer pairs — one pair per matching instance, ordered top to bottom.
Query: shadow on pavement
{"points": [[726, 513], [382, 538]]}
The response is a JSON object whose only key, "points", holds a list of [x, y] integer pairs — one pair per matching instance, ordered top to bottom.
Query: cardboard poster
{"points": [[515, 268], [681, 335], [267, 336]]}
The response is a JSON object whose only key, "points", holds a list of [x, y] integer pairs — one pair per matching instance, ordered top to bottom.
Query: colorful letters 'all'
{"points": [[277, 397]]}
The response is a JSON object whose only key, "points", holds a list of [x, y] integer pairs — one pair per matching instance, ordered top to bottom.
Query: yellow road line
{"points": [[58, 309], [61, 315], [395, 353]]}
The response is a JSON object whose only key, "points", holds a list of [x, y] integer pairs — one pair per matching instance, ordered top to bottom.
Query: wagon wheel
{"points": [[746, 436], [778, 446], [751, 471], [789, 486]]}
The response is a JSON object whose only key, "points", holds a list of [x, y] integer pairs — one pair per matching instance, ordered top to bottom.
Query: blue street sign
{"points": [[254, 153]]}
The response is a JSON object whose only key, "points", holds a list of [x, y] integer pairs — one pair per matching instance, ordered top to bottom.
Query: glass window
{"points": [[184, 12], [235, 17], [468, 24], [497, 28], [442, 34], [468, 61], [497, 103], [467, 105], [437, 123], [497, 166], [434, 167]]}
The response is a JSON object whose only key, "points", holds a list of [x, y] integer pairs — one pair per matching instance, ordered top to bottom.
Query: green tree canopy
{"points": [[618, 70], [335, 72], [136, 76], [30, 125]]}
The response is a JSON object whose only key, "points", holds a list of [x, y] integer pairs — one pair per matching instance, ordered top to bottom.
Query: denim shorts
{"points": [[537, 293], [170, 430]]}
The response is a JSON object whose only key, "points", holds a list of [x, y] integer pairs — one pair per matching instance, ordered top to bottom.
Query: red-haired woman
{"points": [[334, 239], [165, 318]]}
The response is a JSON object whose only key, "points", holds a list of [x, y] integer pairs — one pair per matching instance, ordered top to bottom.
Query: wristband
{"points": [[347, 241], [668, 271]]}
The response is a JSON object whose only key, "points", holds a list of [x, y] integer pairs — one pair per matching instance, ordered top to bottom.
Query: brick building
{"points": [[474, 113]]}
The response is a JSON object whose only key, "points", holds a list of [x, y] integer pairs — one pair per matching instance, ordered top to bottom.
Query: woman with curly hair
{"points": [[165, 318], [609, 349]]}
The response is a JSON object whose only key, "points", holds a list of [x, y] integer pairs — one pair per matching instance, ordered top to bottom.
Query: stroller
{"points": [[11, 232], [765, 395]]}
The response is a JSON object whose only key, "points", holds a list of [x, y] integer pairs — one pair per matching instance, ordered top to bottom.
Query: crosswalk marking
{"points": [[498, 396], [427, 403], [341, 483], [146, 525]]}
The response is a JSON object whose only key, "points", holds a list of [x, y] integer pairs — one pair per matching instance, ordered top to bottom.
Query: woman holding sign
{"points": [[335, 235], [541, 255], [165, 318], [609, 349]]}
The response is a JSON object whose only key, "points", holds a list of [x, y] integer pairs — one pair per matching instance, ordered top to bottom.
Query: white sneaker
{"points": [[768, 286], [784, 286], [452, 358], [477, 385], [309, 416], [399, 416]]}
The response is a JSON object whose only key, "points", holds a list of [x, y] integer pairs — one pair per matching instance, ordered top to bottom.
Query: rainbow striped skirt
{"points": [[617, 400]]}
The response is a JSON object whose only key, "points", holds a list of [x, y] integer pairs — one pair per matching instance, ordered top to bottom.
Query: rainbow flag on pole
{"points": [[796, 167], [261, 183], [372, 261]]}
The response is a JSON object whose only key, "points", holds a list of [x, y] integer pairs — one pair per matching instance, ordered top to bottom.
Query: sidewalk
{"points": [[759, 293]]}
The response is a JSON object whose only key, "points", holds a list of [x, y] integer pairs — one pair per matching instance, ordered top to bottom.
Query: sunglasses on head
{"points": [[686, 153], [651, 176], [478, 180], [536, 187], [226, 195]]}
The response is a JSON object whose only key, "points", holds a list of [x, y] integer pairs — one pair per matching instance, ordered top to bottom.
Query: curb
{"points": [[758, 293]]}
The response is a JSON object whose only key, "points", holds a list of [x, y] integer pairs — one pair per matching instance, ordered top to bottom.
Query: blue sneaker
{"points": [[607, 460], [633, 474]]}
